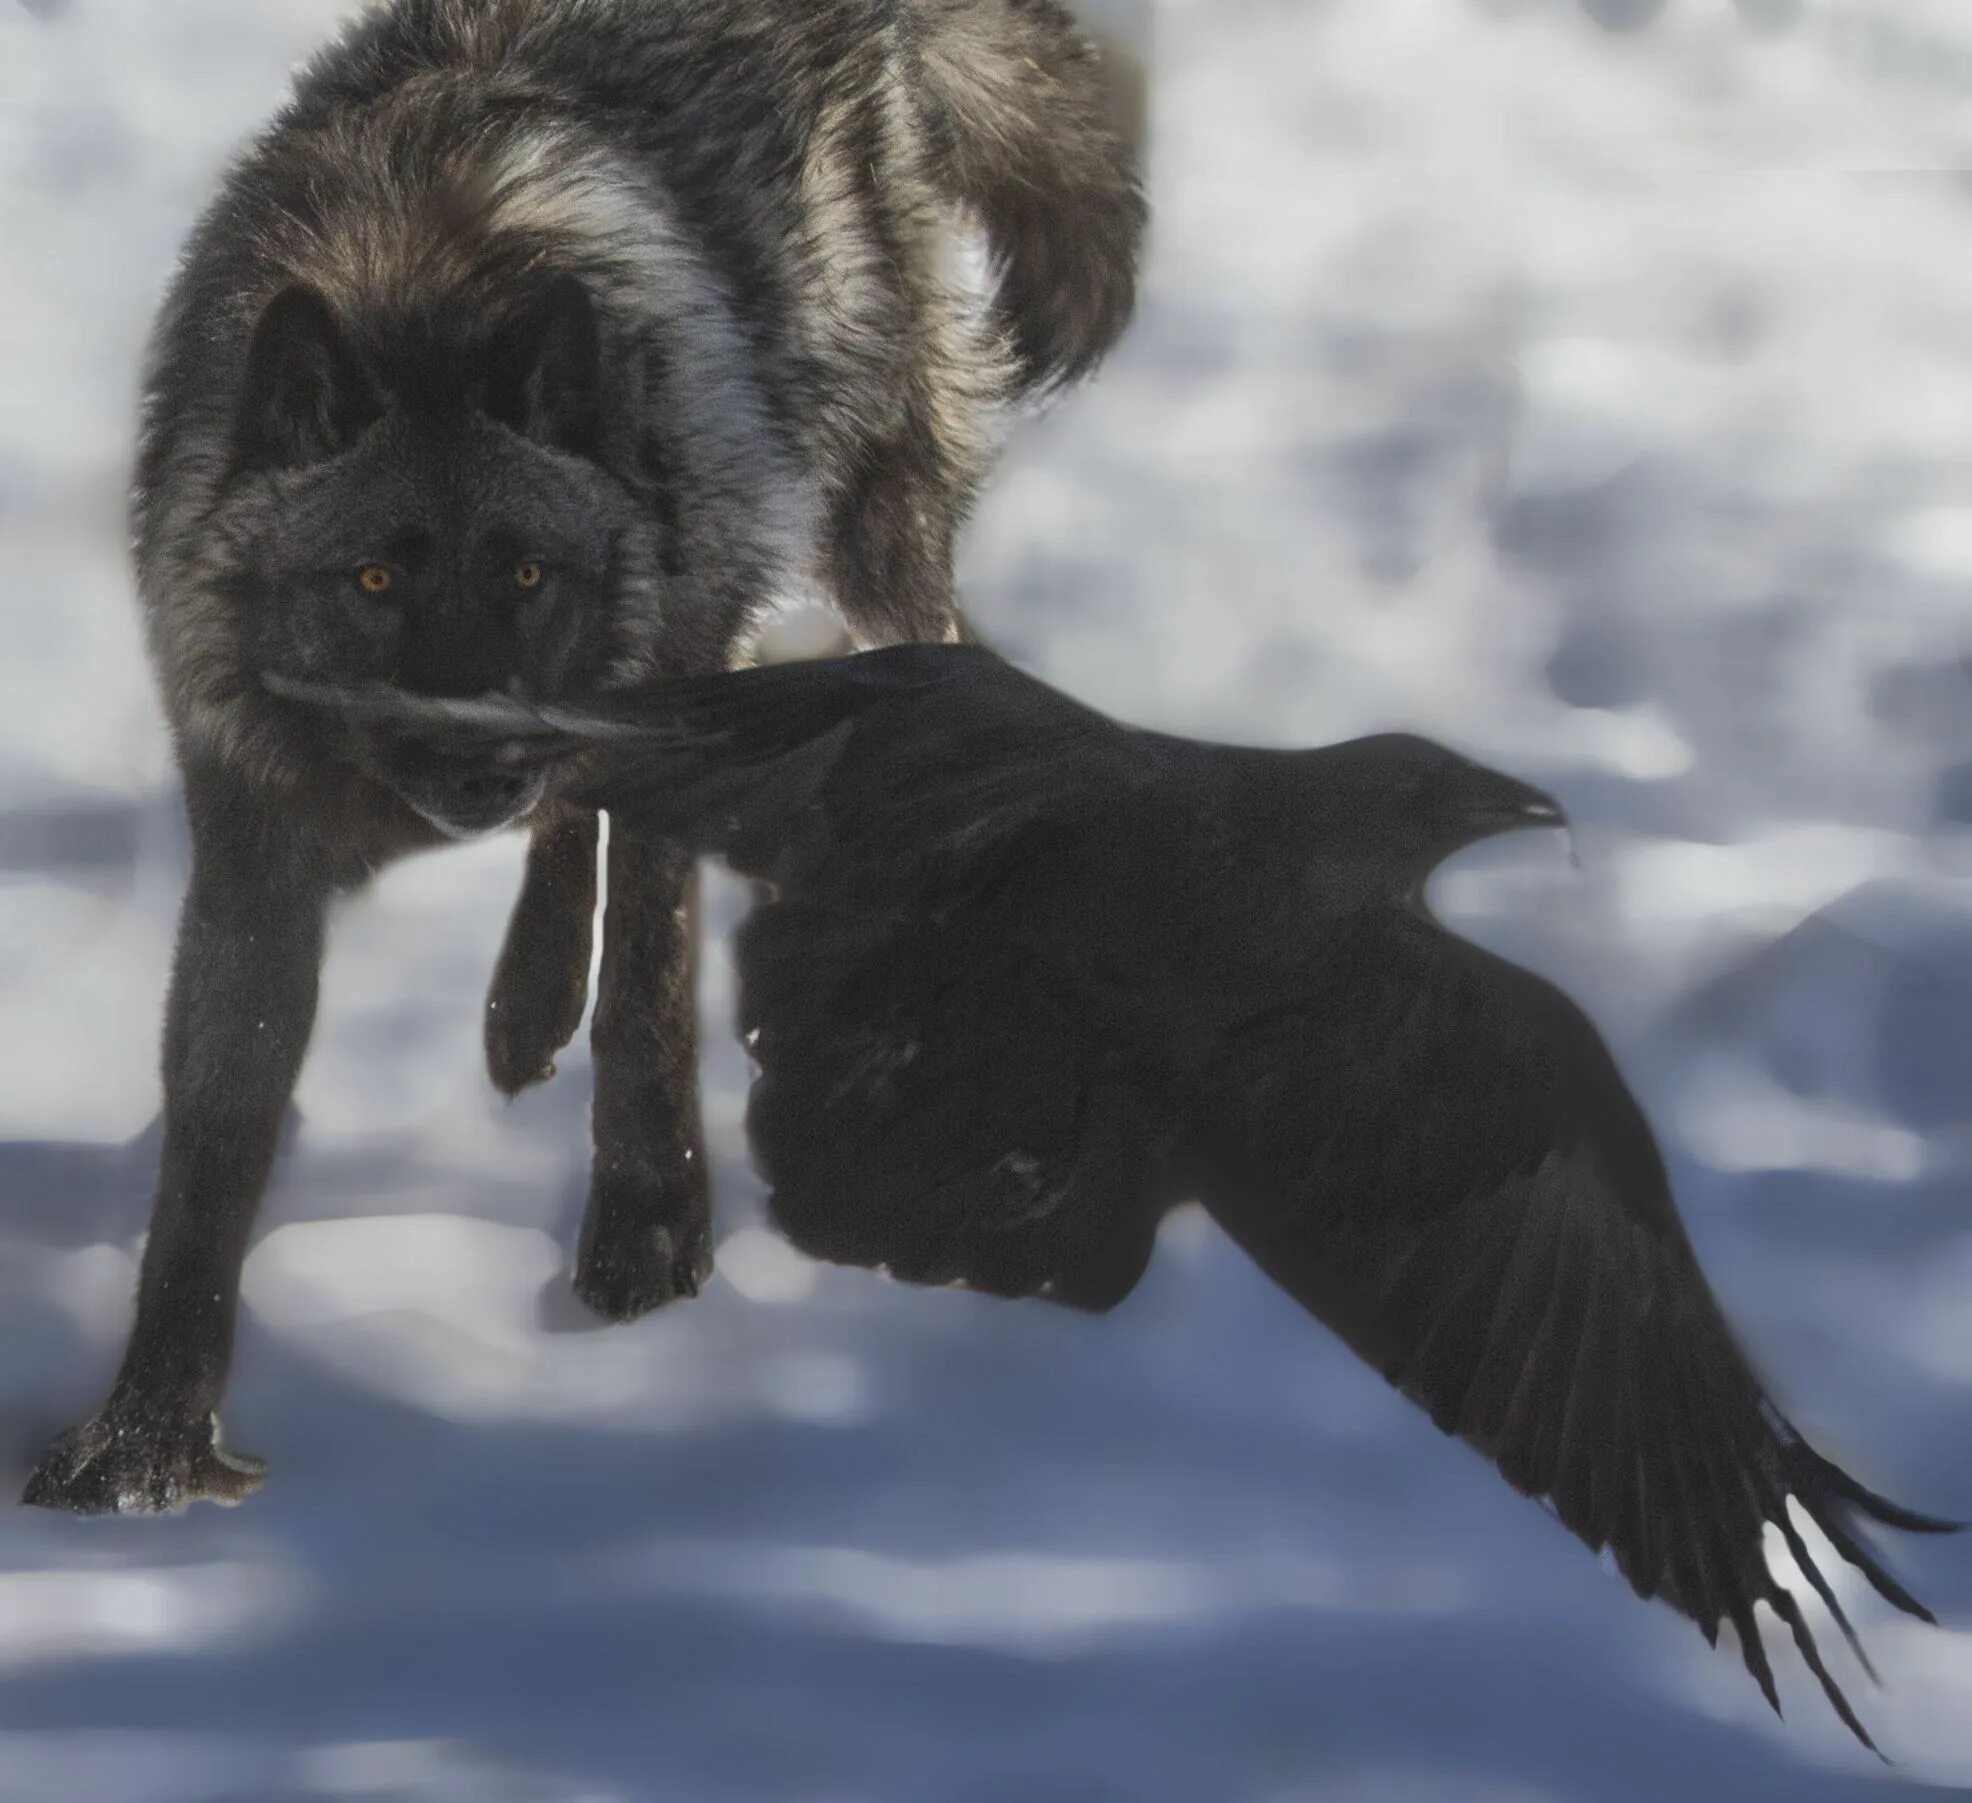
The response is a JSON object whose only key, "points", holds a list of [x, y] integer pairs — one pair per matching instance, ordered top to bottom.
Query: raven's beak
{"points": [[1522, 805]]}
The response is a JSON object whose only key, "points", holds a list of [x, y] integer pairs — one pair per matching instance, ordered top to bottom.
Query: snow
{"points": [[1588, 386]]}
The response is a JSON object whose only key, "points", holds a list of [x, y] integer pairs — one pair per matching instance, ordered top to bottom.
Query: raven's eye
{"points": [[527, 575], [373, 579]]}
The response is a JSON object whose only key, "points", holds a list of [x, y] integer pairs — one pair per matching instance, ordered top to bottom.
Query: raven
{"points": [[1023, 979]]}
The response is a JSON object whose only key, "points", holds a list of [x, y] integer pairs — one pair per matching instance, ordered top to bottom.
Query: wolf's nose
{"points": [[488, 787]]}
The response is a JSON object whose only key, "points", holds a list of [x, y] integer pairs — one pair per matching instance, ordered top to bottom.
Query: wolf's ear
{"points": [[544, 372], [307, 394]]}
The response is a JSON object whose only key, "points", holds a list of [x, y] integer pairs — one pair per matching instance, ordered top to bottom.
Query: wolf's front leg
{"points": [[541, 983], [242, 1003], [647, 1237]]}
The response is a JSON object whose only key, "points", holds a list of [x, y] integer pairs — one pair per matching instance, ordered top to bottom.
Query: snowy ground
{"points": [[1596, 398]]}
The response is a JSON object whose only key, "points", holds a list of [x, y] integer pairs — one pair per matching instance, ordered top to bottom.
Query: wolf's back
{"points": [[1017, 97]]}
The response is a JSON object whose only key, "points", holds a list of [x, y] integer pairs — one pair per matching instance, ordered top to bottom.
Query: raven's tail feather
{"points": [[678, 755]]}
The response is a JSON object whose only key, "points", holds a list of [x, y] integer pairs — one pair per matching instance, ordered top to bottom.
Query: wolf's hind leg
{"points": [[891, 549], [541, 984], [647, 1236]]}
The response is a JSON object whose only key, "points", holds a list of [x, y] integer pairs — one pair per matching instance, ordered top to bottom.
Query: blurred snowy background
{"points": [[1588, 384]]}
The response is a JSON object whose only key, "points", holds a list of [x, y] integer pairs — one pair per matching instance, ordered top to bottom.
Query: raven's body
{"points": [[537, 344], [1023, 978]]}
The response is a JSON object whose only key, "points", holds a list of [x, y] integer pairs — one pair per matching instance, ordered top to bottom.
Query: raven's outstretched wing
{"points": [[1432, 1150]]}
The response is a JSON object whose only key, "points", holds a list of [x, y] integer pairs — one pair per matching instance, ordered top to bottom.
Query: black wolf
{"points": [[538, 345], [1008, 1007]]}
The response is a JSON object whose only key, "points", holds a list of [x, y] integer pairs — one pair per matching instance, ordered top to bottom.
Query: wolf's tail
{"points": [[1024, 110]]}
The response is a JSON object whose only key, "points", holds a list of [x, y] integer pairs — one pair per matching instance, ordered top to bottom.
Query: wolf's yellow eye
{"points": [[527, 575], [373, 578]]}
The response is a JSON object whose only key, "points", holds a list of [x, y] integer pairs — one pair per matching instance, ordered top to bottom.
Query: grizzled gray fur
{"points": [[539, 345]]}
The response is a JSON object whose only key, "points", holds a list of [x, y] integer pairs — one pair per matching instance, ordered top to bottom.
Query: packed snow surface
{"points": [[1589, 386]]}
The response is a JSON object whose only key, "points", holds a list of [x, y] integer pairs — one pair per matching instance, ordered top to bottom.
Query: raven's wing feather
{"points": [[1433, 1151]]}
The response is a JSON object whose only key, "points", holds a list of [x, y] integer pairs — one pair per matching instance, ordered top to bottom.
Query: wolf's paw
{"points": [[540, 988], [532, 1011], [626, 1269], [132, 1461]]}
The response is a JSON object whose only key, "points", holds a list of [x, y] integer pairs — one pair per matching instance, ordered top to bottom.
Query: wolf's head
{"points": [[446, 527]]}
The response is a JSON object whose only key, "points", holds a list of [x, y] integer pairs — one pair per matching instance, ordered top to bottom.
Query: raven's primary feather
{"points": [[1027, 977]]}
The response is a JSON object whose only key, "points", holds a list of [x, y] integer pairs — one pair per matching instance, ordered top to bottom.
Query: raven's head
{"points": [[1406, 804]]}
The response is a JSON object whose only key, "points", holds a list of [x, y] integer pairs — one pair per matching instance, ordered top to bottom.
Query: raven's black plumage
{"points": [[1026, 977]]}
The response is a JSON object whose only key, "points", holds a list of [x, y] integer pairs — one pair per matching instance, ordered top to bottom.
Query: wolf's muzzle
{"points": [[465, 798]]}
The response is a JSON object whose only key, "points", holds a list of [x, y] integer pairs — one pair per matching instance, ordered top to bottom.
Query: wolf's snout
{"points": [[463, 797]]}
